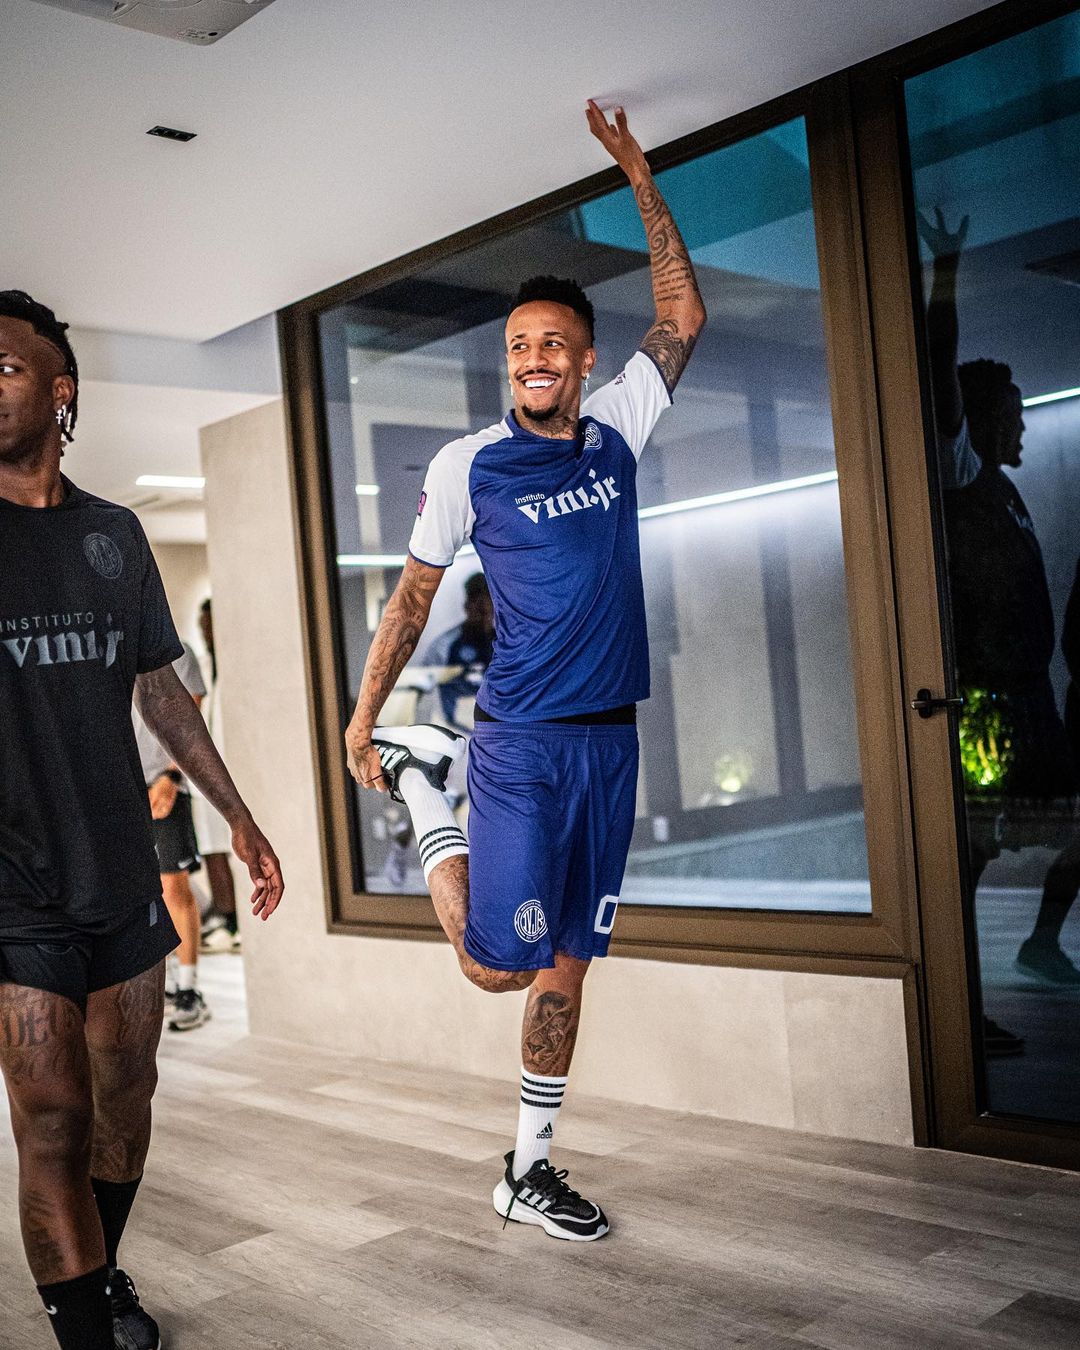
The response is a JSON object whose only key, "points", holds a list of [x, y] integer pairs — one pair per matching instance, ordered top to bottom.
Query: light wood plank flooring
{"points": [[308, 1201]]}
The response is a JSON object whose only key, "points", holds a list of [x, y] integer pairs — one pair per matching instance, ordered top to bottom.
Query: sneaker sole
{"points": [[191, 1026], [500, 1199]]}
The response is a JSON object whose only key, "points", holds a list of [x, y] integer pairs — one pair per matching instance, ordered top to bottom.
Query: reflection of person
{"points": [[548, 498], [1003, 623], [469, 644], [1070, 646], [177, 849], [220, 931], [83, 932]]}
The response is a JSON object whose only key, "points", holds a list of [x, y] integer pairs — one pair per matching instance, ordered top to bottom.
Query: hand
{"points": [[617, 141], [945, 244], [363, 760], [163, 792], [252, 848]]}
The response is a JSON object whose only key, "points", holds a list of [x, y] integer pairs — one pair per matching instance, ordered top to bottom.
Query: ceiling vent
{"points": [[201, 22]]}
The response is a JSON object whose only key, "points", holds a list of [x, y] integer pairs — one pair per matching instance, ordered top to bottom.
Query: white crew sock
{"points": [[438, 835], [185, 977], [540, 1102]]}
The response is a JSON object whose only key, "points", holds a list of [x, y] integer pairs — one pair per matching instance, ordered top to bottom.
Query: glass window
{"points": [[995, 148], [750, 794]]}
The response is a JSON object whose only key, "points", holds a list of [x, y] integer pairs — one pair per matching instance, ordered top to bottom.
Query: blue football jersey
{"points": [[554, 523]]}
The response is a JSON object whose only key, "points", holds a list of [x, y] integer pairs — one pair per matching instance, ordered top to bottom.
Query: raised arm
{"points": [[680, 313], [942, 324], [395, 640], [172, 715]]}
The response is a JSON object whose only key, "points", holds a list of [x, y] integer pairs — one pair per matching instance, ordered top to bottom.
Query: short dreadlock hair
{"points": [[562, 291], [19, 305]]}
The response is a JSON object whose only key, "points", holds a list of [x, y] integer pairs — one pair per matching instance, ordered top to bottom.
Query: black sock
{"points": [[114, 1201], [79, 1311]]}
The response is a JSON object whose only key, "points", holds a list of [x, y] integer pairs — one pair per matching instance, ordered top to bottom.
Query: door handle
{"points": [[926, 705]]}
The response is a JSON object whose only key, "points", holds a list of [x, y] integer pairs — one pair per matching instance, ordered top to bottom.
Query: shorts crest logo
{"points": [[103, 556], [529, 921]]}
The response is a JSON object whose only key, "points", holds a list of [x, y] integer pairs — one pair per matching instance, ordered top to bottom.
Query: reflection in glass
{"points": [[994, 142], [750, 792]]}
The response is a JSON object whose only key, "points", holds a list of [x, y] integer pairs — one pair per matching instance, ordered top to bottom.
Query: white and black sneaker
{"points": [[426, 747], [189, 1011], [542, 1197]]}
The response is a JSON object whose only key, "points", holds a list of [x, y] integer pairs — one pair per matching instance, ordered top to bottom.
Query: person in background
{"points": [[469, 644], [177, 849], [219, 930]]}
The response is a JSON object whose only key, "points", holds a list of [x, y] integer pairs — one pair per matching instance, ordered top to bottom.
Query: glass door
{"points": [[984, 466]]}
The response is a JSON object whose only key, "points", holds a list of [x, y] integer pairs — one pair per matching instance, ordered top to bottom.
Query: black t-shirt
{"points": [[82, 611], [1003, 622]]}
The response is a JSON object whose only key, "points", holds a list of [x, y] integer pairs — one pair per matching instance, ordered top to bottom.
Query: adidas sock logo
{"points": [[547, 1132]]}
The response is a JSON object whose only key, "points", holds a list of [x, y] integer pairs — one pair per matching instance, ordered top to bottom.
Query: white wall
{"points": [[185, 573], [813, 1052]]}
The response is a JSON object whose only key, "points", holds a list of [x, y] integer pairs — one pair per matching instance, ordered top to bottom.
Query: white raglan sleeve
{"points": [[632, 402], [959, 463], [444, 514]]}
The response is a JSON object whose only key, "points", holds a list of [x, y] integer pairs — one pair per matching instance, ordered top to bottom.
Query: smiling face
{"points": [[548, 354], [32, 388]]}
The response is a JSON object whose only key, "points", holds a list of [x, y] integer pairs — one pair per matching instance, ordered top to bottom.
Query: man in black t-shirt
{"points": [[84, 626]]}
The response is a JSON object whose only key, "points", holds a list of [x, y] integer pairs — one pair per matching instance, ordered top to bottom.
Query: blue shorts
{"points": [[551, 813]]}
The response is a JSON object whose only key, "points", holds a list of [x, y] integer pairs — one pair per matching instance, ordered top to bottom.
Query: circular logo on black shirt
{"points": [[103, 556]]}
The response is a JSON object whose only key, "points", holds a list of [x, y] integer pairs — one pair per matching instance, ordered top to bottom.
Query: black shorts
{"points": [[174, 839], [76, 964]]}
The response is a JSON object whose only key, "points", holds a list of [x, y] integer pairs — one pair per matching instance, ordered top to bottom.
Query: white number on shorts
{"points": [[605, 914]]}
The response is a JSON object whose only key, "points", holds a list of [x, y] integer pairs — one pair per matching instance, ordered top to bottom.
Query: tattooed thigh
{"points": [[124, 1021], [42, 1042]]}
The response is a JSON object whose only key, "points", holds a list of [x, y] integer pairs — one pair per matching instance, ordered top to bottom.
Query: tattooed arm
{"points": [[680, 313], [392, 647], [171, 714]]}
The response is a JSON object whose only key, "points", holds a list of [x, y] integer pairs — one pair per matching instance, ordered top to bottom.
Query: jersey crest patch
{"points": [[593, 438], [421, 504], [103, 556], [530, 921]]}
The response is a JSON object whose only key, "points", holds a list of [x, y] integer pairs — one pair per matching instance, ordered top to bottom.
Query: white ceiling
{"points": [[336, 135], [127, 430]]}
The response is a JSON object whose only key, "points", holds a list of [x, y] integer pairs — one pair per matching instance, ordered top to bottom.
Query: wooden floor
{"points": [[310, 1201]]}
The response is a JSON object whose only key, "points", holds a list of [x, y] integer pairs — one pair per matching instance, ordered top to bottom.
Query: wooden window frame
{"points": [[880, 942]]}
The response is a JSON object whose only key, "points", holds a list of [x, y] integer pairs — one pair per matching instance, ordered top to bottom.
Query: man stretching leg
{"points": [[548, 498], [83, 931]]}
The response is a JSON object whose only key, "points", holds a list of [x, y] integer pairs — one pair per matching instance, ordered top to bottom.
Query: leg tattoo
{"points": [[449, 883], [123, 1027], [44, 1061]]}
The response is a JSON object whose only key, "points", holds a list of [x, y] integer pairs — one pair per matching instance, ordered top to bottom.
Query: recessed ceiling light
{"points": [[172, 134], [170, 480]]}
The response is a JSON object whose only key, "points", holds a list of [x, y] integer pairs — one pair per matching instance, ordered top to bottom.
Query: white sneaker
{"points": [[426, 747], [215, 940]]}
